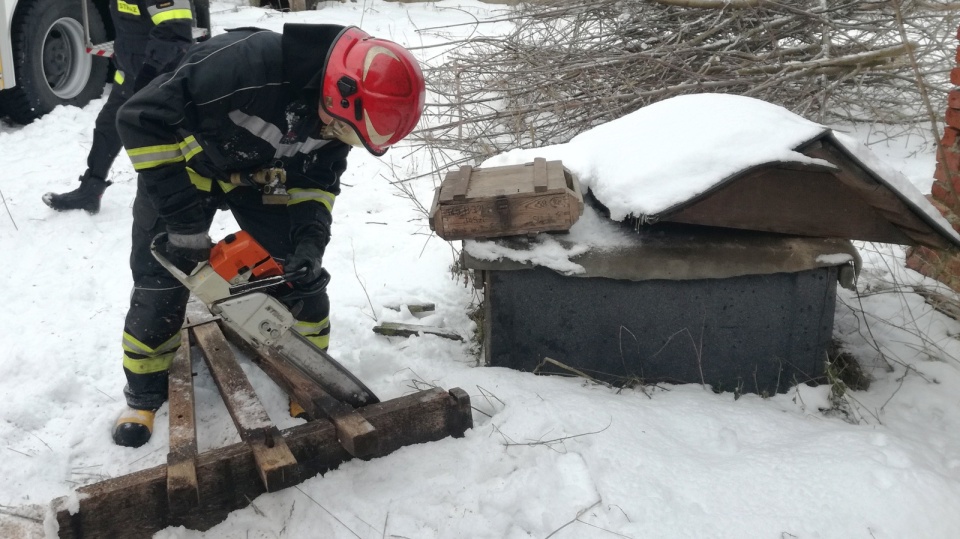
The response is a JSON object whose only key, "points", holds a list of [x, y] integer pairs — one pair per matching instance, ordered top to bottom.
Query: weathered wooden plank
{"points": [[539, 174], [570, 181], [455, 184], [463, 184], [880, 197], [788, 201], [527, 213], [435, 224], [942, 303], [415, 308], [396, 329], [356, 435], [278, 467], [182, 489], [135, 505]]}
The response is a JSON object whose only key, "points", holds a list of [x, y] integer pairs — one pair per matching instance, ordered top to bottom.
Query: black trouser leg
{"points": [[106, 139], [151, 333]]}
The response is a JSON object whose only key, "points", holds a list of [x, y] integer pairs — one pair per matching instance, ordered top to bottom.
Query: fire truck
{"points": [[56, 52]]}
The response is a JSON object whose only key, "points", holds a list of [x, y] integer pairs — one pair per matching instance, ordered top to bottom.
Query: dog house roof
{"points": [[737, 162]]}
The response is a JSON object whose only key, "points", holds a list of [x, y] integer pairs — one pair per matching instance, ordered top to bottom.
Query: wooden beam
{"points": [[356, 435], [278, 467], [182, 490], [135, 505]]}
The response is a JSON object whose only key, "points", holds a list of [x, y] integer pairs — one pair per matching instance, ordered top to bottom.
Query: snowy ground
{"points": [[548, 456]]}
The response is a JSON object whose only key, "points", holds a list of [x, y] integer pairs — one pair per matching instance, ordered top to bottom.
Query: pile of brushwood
{"points": [[569, 65]]}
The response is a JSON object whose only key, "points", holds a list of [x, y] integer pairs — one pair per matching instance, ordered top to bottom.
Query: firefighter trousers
{"points": [[106, 141], [151, 334]]}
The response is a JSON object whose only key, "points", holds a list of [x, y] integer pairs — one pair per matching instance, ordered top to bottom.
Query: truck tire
{"points": [[50, 60]]}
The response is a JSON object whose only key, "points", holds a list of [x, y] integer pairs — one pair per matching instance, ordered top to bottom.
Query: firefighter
{"points": [[152, 36], [241, 108]]}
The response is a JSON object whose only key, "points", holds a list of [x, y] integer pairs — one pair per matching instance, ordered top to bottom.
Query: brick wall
{"points": [[945, 193]]}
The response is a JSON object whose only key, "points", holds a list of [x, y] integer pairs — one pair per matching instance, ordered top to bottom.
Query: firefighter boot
{"points": [[86, 197], [297, 411], [133, 427]]}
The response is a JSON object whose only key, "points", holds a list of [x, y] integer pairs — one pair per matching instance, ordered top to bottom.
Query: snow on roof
{"points": [[672, 151], [669, 152]]}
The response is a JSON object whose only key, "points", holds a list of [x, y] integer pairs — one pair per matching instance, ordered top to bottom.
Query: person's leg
{"points": [[106, 140], [106, 146], [151, 333]]}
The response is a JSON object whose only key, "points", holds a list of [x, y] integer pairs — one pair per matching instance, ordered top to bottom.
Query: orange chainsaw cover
{"points": [[238, 258]]}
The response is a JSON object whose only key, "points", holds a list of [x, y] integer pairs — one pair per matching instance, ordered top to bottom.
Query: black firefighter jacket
{"points": [[151, 36], [239, 102]]}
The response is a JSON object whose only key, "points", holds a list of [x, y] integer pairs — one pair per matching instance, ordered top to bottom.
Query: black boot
{"points": [[86, 197], [134, 427]]}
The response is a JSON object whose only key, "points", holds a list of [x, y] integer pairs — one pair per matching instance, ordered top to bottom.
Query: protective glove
{"points": [[185, 251], [307, 257]]}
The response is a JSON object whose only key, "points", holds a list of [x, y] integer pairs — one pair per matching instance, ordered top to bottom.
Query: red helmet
{"points": [[375, 86]]}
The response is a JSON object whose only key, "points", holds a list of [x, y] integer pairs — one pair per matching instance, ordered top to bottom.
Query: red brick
{"points": [[955, 76], [953, 99], [952, 117], [950, 137], [951, 159], [940, 174], [955, 182], [940, 193], [941, 207], [931, 256], [915, 262], [952, 267]]}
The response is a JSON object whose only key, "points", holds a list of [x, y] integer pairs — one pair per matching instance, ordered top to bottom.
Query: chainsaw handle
{"points": [[157, 240], [295, 275], [270, 282]]}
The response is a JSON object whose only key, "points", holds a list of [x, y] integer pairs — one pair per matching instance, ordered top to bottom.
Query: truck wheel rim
{"points": [[66, 65]]}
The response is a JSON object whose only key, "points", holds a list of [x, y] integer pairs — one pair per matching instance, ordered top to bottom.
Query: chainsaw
{"points": [[234, 285]]}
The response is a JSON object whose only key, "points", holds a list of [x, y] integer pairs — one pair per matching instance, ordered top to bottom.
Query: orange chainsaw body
{"points": [[238, 258]]}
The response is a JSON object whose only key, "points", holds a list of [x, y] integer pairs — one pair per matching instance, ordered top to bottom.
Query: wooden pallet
{"points": [[199, 490]]}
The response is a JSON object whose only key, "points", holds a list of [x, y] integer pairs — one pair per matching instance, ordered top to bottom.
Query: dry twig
{"points": [[569, 65]]}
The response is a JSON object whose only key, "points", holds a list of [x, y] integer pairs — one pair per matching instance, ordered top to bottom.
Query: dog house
{"points": [[734, 287], [736, 310]]}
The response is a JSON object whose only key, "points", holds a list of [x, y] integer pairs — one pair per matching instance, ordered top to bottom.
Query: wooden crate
{"points": [[472, 203]]}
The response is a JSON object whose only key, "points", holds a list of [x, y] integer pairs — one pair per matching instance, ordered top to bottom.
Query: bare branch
{"points": [[567, 66]]}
